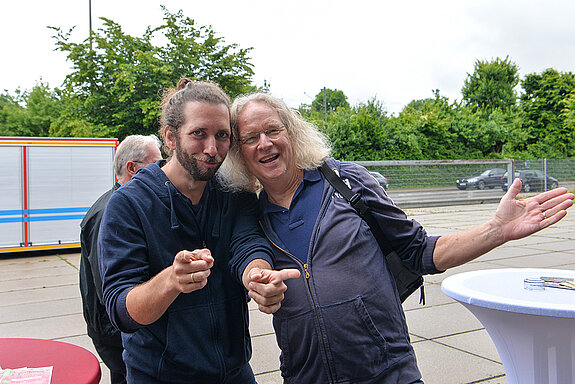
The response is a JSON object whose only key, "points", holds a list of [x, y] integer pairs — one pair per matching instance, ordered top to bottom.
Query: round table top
{"points": [[503, 289], [72, 364]]}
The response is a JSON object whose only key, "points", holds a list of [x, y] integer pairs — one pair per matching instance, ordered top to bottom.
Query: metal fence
{"points": [[444, 173]]}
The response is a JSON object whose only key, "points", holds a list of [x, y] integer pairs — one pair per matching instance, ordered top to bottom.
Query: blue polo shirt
{"points": [[294, 226]]}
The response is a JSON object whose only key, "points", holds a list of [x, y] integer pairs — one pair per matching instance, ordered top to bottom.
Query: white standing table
{"points": [[533, 330]]}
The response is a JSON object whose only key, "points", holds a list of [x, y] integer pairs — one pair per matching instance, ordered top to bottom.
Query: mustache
{"points": [[209, 159]]}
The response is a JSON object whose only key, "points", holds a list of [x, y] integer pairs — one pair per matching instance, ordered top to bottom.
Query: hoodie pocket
{"points": [[354, 347], [190, 349]]}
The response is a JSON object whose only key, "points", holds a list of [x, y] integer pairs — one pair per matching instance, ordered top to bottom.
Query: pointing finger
{"points": [[284, 274]]}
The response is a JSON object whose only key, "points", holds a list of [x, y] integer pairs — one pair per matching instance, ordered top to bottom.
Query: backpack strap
{"points": [[357, 203], [406, 280]]}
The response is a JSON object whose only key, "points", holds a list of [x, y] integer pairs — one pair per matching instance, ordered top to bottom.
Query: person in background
{"points": [[133, 153], [172, 248], [342, 320]]}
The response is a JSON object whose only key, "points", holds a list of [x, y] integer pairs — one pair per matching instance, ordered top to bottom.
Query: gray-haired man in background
{"points": [[133, 153]]}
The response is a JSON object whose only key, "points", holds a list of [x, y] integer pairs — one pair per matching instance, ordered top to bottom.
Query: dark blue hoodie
{"points": [[203, 336]]}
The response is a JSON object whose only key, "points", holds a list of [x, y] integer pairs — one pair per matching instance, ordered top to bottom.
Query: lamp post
{"points": [[90, 20]]}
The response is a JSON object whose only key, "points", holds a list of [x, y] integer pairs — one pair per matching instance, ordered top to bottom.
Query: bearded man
{"points": [[173, 246]]}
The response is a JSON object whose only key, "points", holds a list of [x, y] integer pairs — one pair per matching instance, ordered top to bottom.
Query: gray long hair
{"points": [[310, 146]]}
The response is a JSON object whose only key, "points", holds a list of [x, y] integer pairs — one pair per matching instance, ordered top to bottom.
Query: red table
{"points": [[72, 364]]}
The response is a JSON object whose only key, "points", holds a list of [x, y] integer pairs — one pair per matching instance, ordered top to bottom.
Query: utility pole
{"points": [[90, 21]]}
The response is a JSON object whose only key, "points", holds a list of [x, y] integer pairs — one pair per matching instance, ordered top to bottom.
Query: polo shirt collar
{"points": [[309, 176]]}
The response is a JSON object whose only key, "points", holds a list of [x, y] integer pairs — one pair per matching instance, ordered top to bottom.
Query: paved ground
{"points": [[39, 297]]}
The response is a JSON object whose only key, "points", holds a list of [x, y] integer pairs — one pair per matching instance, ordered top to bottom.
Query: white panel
{"points": [[92, 173], [49, 177], [64, 183], [11, 190], [55, 232]]}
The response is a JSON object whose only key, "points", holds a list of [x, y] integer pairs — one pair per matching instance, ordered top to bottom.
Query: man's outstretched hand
{"points": [[521, 218]]}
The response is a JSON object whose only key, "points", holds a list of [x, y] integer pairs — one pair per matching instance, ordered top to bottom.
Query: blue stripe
{"points": [[58, 210], [43, 211], [11, 212], [32, 214], [40, 218], [54, 218], [11, 220]]}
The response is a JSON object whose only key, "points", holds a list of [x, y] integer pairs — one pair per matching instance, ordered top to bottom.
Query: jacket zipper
{"points": [[203, 238], [307, 278], [331, 374]]}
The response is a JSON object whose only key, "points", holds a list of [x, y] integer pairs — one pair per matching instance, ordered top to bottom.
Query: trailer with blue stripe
{"points": [[46, 187]]}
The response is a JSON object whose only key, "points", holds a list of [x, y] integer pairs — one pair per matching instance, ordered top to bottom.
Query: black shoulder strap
{"points": [[357, 203], [406, 280]]}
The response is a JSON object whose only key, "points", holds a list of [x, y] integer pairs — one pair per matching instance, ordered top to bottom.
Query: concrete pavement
{"points": [[39, 297]]}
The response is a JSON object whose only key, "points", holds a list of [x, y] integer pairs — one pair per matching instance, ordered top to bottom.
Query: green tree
{"points": [[117, 79], [491, 86], [334, 99], [546, 104], [9, 107], [29, 113], [568, 114], [425, 130], [357, 133], [483, 135]]}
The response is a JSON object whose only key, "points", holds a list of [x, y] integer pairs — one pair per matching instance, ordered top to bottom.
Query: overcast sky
{"points": [[395, 51]]}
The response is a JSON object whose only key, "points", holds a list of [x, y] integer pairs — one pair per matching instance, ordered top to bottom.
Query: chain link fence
{"points": [[431, 174]]}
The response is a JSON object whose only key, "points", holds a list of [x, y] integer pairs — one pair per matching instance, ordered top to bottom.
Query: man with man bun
{"points": [[173, 245]]}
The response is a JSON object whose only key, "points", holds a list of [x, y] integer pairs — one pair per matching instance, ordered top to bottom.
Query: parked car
{"points": [[482, 179], [382, 180], [532, 180]]}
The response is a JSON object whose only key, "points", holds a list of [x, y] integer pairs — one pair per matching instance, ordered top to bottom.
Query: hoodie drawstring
{"points": [[175, 224]]}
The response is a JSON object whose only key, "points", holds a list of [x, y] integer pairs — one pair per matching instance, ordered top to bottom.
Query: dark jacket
{"points": [[342, 320], [100, 329], [203, 336]]}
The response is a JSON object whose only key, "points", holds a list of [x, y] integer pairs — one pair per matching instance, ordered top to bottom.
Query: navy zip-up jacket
{"points": [[341, 321], [203, 336]]}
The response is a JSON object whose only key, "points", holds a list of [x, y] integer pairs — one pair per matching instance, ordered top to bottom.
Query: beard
{"points": [[192, 164]]}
